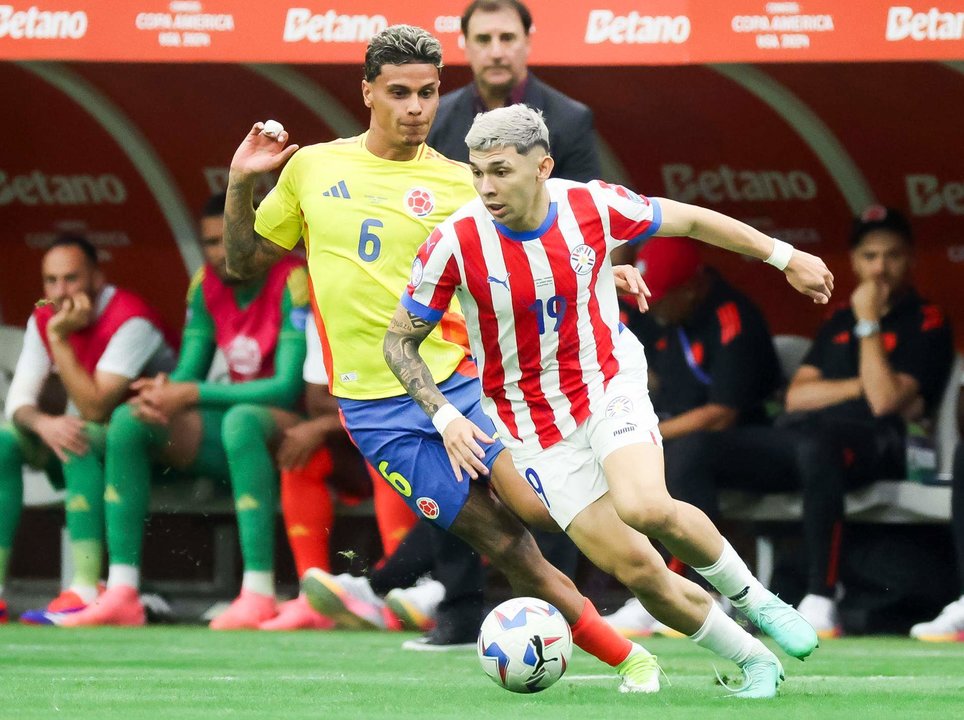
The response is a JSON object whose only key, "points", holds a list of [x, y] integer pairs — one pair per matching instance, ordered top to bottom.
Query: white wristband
{"points": [[780, 257], [446, 414]]}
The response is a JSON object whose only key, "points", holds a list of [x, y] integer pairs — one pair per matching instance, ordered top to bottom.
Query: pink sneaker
{"points": [[119, 605], [247, 612], [297, 614]]}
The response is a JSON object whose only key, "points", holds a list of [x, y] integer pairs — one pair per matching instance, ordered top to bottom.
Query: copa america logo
{"points": [[582, 259]]}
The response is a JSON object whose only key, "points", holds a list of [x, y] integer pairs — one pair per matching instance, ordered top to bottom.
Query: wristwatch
{"points": [[866, 328]]}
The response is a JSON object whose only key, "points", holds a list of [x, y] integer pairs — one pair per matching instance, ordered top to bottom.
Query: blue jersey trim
{"points": [[654, 226], [523, 235], [423, 311]]}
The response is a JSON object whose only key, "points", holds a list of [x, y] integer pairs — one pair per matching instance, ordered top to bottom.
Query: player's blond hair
{"points": [[401, 45], [517, 126]]}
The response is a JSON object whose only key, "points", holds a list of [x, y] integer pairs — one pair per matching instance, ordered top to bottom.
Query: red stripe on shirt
{"points": [[590, 225], [624, 228], [476, 272], [526, 313], [567, 355]]}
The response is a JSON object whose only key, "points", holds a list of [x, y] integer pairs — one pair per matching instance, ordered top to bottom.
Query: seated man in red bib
{"points": [[86, 343], [226, 431]]}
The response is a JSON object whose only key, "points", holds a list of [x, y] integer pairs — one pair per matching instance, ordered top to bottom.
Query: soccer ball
{"points": [[525, 645]]}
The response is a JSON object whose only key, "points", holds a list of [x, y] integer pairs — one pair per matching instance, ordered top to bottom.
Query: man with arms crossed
{"points": [[392, 191], [566, 389]]}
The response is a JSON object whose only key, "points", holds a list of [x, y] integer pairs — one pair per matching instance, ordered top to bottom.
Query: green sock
{"points": [[246, 432], [127, 472], [11, 493], [84, 505]]}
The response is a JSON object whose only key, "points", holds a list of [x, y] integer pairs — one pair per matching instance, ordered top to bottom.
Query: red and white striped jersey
{"points": [[540, 306]]}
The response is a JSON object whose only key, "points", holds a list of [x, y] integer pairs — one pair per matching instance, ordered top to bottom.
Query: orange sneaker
{"points": [[119, 605], [247, 612], [297, 614]]}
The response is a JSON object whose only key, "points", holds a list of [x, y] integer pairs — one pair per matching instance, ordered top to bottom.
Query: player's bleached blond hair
{"points": [[401, 45], [517, 126]]}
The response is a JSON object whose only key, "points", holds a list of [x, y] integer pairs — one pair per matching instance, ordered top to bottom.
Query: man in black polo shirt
{"points": [[874, 366], [712, 368]]}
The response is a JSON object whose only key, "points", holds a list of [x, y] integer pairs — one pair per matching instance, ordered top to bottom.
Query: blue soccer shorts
{"points": [[398, 439]]}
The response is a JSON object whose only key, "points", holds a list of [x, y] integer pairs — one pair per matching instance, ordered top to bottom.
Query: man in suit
{"points": [[496, 36]]}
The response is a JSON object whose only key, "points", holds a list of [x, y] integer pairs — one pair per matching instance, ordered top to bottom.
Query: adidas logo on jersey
{"points": [[338, 191]]}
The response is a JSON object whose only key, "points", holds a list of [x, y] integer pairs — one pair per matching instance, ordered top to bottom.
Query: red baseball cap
{"points": [[667, 263]]}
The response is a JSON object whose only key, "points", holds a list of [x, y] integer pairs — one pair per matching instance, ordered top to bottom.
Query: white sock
{"points": [[128, 575], [732, 578], [258, 581], [87, 593], [721, 635]]}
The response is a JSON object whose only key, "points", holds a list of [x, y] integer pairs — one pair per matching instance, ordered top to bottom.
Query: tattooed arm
{"points": [[249, 254], [402, 340], [460, 435]]}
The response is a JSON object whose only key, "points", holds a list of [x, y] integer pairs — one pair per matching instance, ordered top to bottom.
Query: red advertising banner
{"points": [[588, 32]]}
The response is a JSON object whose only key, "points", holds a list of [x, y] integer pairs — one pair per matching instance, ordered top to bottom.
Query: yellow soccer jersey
{"points": [[363, 219]]}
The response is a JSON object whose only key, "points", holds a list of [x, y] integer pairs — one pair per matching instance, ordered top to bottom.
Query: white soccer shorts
{"points": [[568, 476]]}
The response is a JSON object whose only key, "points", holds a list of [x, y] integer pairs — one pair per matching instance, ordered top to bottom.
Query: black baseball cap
{"points": [[878, 217]]}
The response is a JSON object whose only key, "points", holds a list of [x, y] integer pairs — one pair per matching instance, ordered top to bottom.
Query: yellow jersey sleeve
{"points": [[278, 217]]}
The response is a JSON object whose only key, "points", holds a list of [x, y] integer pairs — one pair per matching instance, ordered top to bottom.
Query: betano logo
{"points": [[904, 23], [36, 24], [302, 24], [635, 29], [685, 183], [38, 188], [927, 196]]}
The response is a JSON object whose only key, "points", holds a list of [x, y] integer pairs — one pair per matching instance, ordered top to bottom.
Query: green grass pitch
{"points": [[188, 672]]}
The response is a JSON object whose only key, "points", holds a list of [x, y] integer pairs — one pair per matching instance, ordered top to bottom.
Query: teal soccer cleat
{"points": [[784, 624]]}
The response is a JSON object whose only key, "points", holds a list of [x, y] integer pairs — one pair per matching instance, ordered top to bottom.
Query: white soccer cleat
{"points": [[348, 600], [416, 606], [821, 612], [632, 619], [946, 627]]}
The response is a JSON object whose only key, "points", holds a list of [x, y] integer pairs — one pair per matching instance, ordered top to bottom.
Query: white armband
{"points": [[780, 257], [446, 414]]}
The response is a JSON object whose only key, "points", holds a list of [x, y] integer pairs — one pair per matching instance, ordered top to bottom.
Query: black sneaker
{"points": [[442, 640]]}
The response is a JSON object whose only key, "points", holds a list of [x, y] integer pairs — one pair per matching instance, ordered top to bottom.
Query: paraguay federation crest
{"points": [[419, 201], [582, 259], [417, 271], [619, 406], [428, 507]]}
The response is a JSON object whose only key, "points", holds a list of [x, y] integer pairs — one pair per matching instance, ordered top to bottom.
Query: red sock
{"points": [[308, 511], [393, 516], [596, 637]]}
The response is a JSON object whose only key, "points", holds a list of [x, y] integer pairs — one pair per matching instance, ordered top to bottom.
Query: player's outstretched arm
{"points": [[249, 254], [805, 272], [461, 436]]}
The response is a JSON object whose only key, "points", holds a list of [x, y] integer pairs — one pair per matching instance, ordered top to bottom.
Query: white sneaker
{"points": [[346, 599], [416, 606], [821, 613], [632, 619], [946, 627]]}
